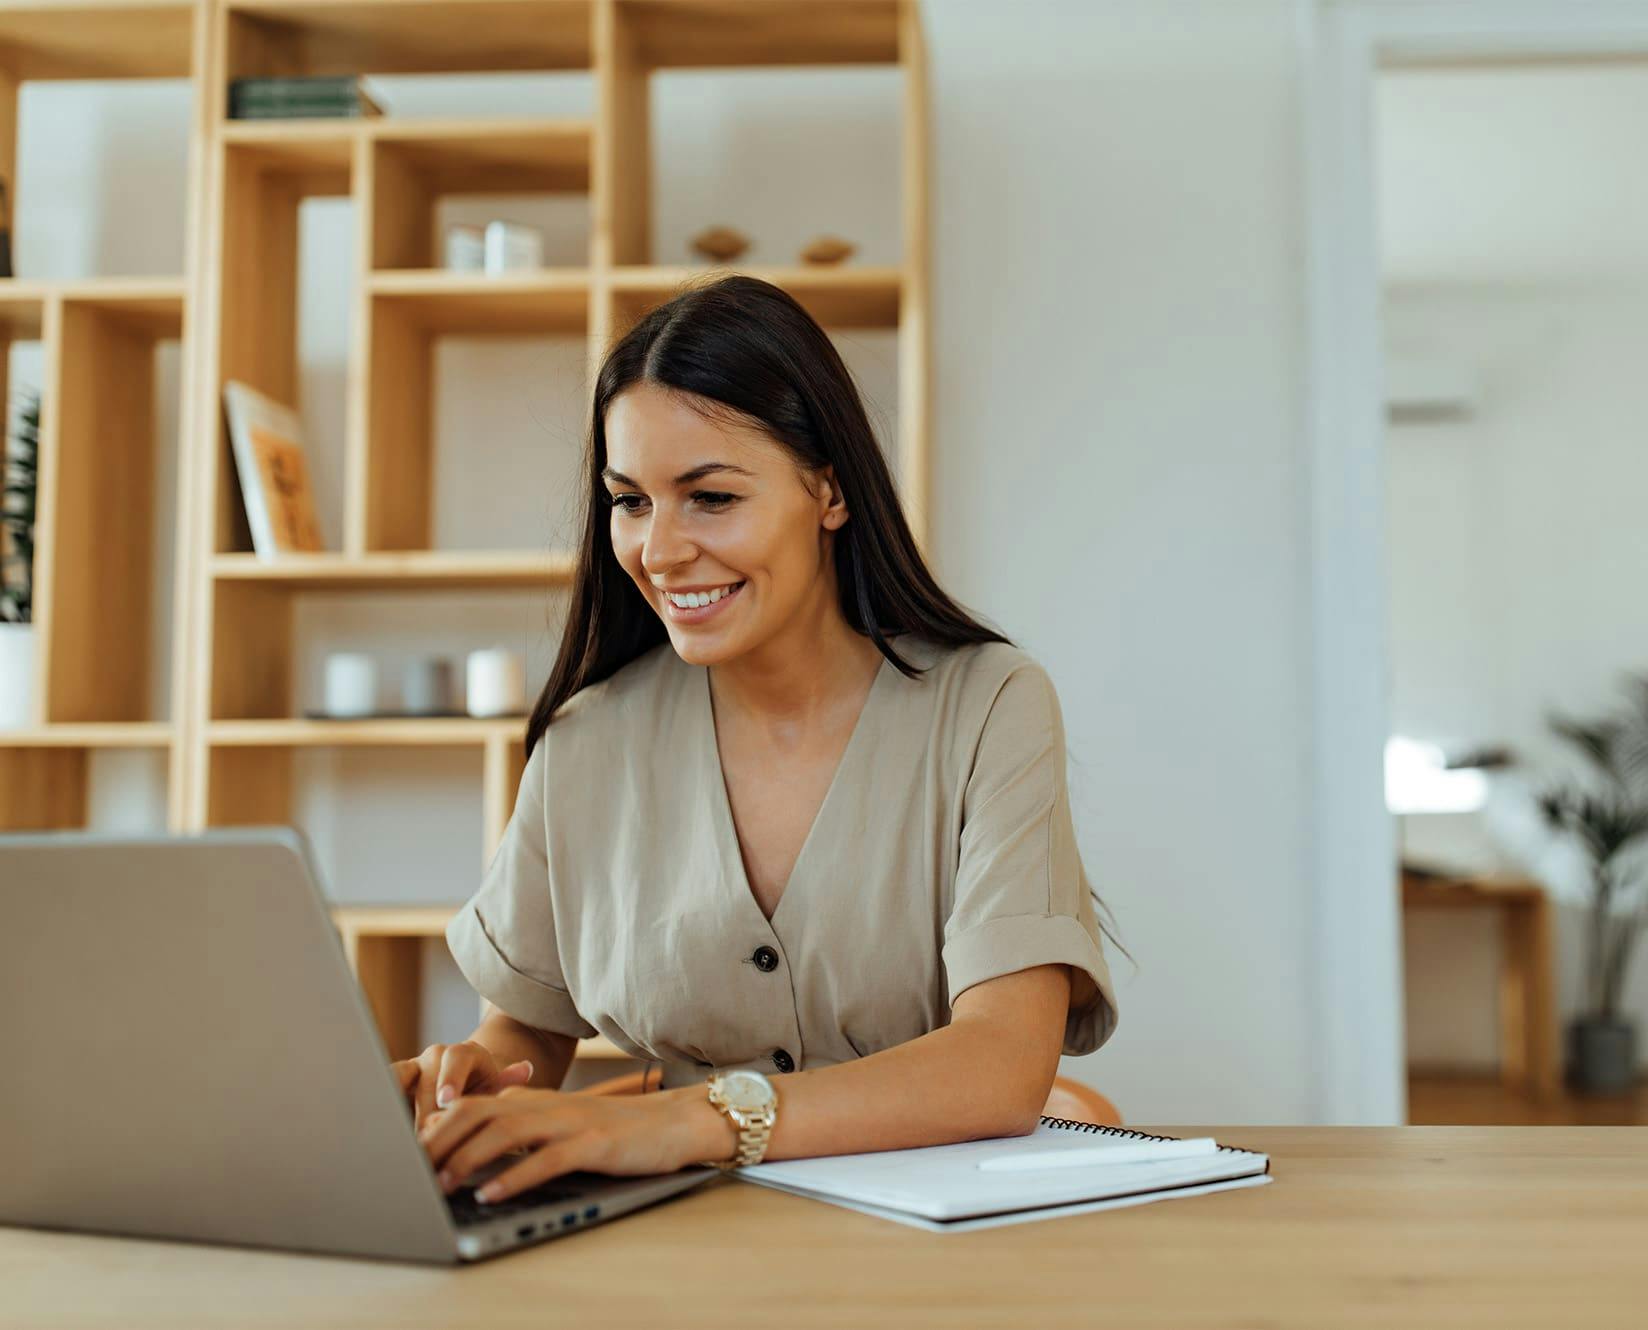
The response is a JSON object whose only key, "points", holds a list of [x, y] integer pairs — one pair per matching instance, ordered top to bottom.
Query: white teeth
{"points": [[696, 599]]}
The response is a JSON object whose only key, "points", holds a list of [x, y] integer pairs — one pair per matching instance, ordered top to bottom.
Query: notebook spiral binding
{"points": [[1126, 1133]]}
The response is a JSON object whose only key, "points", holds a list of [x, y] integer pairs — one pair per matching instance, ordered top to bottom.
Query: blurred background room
{"points": [[1287, 416]]}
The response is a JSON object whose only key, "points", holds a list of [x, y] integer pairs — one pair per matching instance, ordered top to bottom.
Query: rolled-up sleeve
{"points": [[1021, 896], [504, 938]]}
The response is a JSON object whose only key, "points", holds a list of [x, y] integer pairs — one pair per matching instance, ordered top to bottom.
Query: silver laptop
{"points": [[187, 1055]]}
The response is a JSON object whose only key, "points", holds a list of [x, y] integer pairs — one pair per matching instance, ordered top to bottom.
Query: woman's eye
{"points": [[709, 498]]}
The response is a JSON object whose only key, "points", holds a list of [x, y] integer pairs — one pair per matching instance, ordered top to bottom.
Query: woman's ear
{"points": [[834, 512]]}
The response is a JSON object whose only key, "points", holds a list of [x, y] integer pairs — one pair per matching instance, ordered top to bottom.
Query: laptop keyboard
{"points": [[467, 1210]]}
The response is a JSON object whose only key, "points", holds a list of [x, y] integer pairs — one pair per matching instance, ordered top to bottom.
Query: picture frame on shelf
{"points": [[272, 463]]}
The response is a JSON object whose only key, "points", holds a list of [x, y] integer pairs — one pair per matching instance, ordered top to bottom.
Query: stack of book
{"points": [[286, 98]]}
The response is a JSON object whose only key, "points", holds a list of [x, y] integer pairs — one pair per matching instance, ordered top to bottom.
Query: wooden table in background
{"points": [[1530, 1061], [1503, 1227]]}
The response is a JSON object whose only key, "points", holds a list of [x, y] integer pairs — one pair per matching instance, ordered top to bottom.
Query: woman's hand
{"points": [[442, 1072], [620, 1134]]}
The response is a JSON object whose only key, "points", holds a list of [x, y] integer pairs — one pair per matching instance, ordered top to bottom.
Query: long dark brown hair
{"points": [[743, 346]]}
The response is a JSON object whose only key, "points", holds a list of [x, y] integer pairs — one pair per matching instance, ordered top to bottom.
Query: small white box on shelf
{"points": [[511, 247], [465, 248]]}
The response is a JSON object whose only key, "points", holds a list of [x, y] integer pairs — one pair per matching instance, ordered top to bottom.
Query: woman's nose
{"points": [[664, 548]]}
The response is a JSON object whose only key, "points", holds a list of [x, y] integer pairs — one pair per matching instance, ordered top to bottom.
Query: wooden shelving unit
{"points": [[99, 455], [235, 723]]}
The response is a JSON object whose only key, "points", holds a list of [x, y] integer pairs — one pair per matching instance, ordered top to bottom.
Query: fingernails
{"points": [[529, 1071], [443, 1096], [446, 1180], [487, 1193]]}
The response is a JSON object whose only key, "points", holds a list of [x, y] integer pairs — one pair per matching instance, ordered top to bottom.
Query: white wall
{"points": [[1118, 295], [1118, 311]]}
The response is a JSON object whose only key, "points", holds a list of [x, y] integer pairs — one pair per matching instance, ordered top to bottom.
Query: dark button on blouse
{"points": [[765, 958], [783, 1061]]}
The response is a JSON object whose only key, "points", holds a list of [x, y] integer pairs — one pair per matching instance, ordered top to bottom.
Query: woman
{"points": [[786, 808]]}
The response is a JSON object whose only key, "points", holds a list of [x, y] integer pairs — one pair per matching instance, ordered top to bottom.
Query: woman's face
{"points": [[712, 508]]}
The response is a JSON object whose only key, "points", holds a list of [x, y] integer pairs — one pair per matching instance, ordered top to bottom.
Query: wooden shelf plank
{"points": [[689, 33], [384, 37], [96, 39], [320, 149], [491, 155], [848, 297], [550, 300], [154, 303], [153, 307], [23, 310], [414, 571], [393, 732], [90, 734], [394, 920]]}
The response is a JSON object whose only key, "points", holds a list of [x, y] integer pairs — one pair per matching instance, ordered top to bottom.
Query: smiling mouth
{"points": [[701, 606]]}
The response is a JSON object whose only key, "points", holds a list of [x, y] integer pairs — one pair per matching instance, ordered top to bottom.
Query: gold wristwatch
{"points": [[750, 1103]]}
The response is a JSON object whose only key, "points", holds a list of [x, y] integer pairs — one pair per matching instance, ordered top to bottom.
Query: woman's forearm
{"points": [[511, 1041], [984, 1075], [949, 1085]]}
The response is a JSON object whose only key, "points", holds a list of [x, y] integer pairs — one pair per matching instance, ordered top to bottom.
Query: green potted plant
{"points": [[17, 507], [1607, 820]]}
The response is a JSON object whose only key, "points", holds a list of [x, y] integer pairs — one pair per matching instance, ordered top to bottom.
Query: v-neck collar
{"points": [[726, 830]]}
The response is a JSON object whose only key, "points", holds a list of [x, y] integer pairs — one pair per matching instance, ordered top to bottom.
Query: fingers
{"points": [[429, 1065], [458, 1065], [443, 1072], [516, 1073], [448, 1128], [498, 1136], [546, 1162]]}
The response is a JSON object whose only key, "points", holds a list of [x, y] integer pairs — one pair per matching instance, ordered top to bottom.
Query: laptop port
{"points": [[592, 1212], [526, 1230]]}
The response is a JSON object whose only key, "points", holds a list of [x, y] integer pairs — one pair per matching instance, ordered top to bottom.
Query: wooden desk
{"points": [[1530, 1060], [1532, 1227]]}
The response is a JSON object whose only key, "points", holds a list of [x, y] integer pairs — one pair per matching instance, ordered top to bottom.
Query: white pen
{"points": [[1135, 1153]]}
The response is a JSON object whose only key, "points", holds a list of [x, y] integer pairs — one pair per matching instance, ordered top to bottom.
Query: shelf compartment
{"points": [[701, 33], [301, 37], [114, 39], [416, 164], [264, 175], [867, 297], [407, 312], [94, 569], [436, 570], [251, 762], [45, 770]]}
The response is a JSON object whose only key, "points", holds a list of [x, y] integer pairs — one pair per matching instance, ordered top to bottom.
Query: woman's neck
{"points": [[799, 682]]}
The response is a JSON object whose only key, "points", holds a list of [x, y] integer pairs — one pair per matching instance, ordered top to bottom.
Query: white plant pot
{"points": [[16, 675]]}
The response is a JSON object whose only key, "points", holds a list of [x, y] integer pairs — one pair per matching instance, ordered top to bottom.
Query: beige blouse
{"points": [[943, 855]]}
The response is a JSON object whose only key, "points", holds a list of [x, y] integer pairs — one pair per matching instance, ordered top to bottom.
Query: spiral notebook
{"points": [[942, 1187]]}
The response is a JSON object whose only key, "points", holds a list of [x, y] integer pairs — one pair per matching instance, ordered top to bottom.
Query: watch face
{"points": [[747, 1090]]}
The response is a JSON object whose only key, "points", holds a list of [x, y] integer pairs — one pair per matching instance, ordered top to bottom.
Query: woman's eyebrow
{"points": [[686, 477]]}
